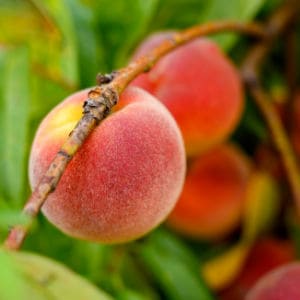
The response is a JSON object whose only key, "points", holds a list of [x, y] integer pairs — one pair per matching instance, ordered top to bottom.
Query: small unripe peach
{"points": [[201, 88], [125, 178], [212, 200]]}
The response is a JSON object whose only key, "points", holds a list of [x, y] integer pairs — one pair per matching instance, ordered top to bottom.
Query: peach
{"points": [[201, 88], [126, 177], [211, 204], [266, 255], [279, 284]]}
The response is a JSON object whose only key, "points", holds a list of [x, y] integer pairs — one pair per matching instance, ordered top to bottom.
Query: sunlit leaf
{"points": [[237, 10], [60, 14], [18, 22], [15, 118], [262, 204], [261, 207], [223, 269], [48, 279], [11, 285]]}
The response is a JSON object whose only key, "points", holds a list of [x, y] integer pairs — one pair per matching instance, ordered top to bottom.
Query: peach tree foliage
{"points": [[49, 49]]}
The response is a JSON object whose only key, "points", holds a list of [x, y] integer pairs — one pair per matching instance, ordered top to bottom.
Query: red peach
{"points": [[201, 88], [125, 178], [211, 204], [266, 255], [280, 284]]}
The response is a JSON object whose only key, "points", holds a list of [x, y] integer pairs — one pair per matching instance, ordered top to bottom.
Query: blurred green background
{"points": [[51, 48]]}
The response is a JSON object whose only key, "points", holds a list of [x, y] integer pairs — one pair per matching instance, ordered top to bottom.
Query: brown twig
{"points": [[250, 72], [98, 105]]}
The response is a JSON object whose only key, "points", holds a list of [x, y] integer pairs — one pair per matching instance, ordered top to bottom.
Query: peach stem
{"points": [[250, 72]]}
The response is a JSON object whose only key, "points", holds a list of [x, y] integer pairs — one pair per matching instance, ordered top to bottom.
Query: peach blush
{"points": [[201, 88], [126, 177], [212, 200], [279, 284]]}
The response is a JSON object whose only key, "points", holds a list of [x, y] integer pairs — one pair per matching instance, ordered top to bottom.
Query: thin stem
{"points": [[146, 62], [250, 71], [99, 103], [280, 140]]}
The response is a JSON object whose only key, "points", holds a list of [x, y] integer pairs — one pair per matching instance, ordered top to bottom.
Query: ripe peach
{"points": [[201, 88], [125, 178], [211, 203], [266, 255], [280, 284]]}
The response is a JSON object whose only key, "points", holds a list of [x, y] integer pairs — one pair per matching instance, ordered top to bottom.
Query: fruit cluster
{"points": [[201, 87], [167, 139], [224, 188]]}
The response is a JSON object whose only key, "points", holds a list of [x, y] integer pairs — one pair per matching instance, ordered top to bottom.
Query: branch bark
{"points": [[99, 102]]}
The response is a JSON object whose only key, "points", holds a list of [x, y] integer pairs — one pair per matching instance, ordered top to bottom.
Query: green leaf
{"points": [[238, 10], [59, 12], [177, 13], [17, 22], [121, 24], [90, 56], [3, 58], [15, 118], [10, 217], [168, 242], [89, 258], [47, 279], [135, 279], [177, 279], [11, 286], [131, 295]]}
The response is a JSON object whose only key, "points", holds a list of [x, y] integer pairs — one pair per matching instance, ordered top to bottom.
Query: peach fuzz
{"points": [[201, 88], [126, 177], [211, 204], [279, 284]]}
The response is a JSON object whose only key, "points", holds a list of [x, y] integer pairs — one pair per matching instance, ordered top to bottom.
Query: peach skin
{"points": [[126, 177]]}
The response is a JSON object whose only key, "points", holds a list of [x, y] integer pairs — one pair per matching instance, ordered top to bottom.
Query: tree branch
{"points": [[250, 69], [99, 102]]}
